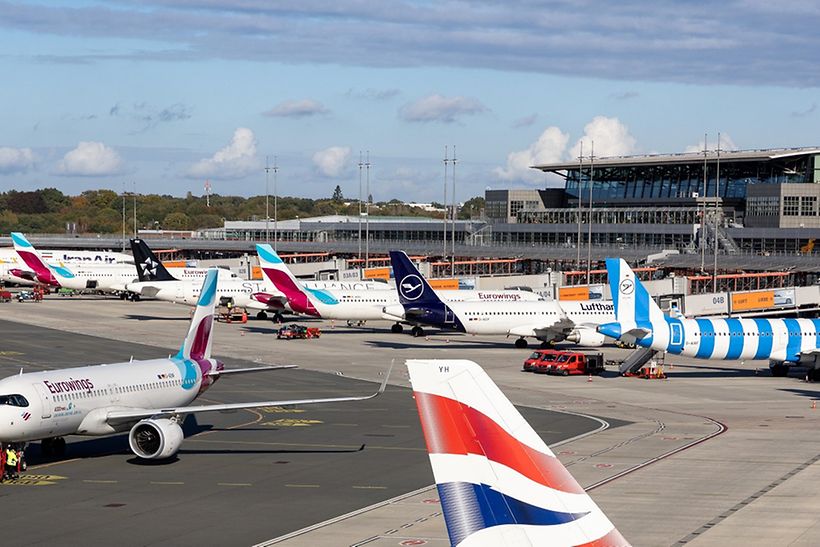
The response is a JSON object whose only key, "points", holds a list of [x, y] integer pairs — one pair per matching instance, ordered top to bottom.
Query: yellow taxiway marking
{"points": [[7, 353], [281, 410], [292, 422], [347, 425], [33, 480], [96, 481], [166, 482], [234, 484], [302, 485], [370, 487]]}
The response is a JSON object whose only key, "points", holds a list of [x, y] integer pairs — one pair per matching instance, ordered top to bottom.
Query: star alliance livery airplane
{"points": [[638, 319], [150, 398], [498, 482]]}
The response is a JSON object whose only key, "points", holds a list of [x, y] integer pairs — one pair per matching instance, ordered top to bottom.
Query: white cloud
{"points": [[302, 108], [438, 108], [609, 137], [726, 143], [549, 148], [90, 159], [238, 159], [15, 160], [333, 161]]}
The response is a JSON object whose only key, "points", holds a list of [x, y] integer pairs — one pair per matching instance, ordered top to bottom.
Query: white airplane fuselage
{"points": [[77, 400]]}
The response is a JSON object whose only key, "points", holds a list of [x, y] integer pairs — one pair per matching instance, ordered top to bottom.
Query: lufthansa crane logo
{"points": [[627, 286], [411, 287]]}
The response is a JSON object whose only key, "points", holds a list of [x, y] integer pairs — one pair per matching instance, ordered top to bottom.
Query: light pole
{"points": [[361, 164], [580, 176], [267, 195], [275, 204], [703, 212], [717, 214], [367, 215], [455, 217], [589, 234], [444, 236]]}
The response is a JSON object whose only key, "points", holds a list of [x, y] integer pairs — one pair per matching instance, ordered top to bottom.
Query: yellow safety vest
{"points": [[11, 458]]}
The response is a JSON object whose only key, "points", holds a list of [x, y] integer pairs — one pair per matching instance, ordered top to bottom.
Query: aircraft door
{"points": [[449, 317], [677, 334], [115, 396], [46, 400]]}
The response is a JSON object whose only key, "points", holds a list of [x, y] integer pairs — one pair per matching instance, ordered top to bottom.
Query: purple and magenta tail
{"points": [[197, 344], [498, 481]]}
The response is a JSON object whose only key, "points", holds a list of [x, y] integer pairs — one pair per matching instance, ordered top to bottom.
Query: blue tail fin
{"points": [[413, 289]]}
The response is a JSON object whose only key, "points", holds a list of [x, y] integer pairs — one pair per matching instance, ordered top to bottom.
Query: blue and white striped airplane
{"points": [[784, 342]]}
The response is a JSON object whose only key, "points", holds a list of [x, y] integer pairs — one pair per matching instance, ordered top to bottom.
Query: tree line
{"points": [[48, 210]]}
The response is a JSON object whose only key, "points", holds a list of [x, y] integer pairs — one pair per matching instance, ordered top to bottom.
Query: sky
{"points": [[160, 96]]}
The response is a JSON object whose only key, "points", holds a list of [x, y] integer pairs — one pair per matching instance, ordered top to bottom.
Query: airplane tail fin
{"points": [[31, 256], [149, 267], [413, 289], [299, 298], [633, 304], [197, 344], [498, 482]]}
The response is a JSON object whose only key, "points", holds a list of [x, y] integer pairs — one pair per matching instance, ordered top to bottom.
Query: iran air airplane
{"points": [[104, 277], [182, 287], [359, 305], [543, 320], [639, 320], [147, 398], [498, 482]]}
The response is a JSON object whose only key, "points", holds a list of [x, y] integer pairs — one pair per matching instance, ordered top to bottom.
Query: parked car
{"points": [[292, 331], [540, 357]]}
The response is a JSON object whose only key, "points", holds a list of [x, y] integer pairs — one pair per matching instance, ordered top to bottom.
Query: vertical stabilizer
{"points": [[33, 260], [149, 267], [413, 289], [299, 297], [633, 304], [197, 344], [498, 481]]}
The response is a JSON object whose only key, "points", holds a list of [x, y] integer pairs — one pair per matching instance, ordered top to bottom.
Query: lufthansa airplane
{"points": [[360, 305], [638, 319], [542, 320], [147, 398], [498, 482]]}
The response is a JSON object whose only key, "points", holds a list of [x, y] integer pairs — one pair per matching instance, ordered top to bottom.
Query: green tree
{"points": [[337, 194], [176, 221]]}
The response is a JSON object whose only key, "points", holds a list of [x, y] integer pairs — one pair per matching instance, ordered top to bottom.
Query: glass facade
{"points": [[686, 180]]}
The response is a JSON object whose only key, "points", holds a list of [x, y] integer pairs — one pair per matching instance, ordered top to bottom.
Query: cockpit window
{"points": [[13, 400]]}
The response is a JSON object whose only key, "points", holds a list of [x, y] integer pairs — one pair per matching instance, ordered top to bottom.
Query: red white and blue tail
{"points": [[498, 482]]}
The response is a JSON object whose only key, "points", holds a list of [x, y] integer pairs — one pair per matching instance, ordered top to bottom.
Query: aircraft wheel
{"points": [[262, 315], [277, 318], [396, 328], [417, 331], [521, 343], [779, 369], [59, 446], [47, 447]]}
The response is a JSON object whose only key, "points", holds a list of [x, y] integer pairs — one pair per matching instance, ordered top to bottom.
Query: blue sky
{"points": [[164, 94]]}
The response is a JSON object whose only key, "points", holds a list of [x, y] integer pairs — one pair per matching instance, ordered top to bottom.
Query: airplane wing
{"points": [[561, 326], [815, 351], [226, 372], [117, 417]]}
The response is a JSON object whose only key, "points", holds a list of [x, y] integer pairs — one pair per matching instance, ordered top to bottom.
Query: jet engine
{"points": [[587, 337], [155, 439]]}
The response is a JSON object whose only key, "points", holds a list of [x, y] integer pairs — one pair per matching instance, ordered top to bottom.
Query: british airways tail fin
{"points": [[31, 256], [149, 267], [413, 289], [299, 298], [197, 344], [498, 482]]}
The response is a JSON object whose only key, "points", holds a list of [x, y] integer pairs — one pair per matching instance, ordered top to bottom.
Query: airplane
{"points": [[10, 262], [105, 277], [156, 281], [358, 305], [544, 320], [639, 320], [148, 398], [498, 482]]}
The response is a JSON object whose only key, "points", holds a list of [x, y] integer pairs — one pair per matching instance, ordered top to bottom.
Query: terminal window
{"points": [[791, 206], [808, 206]]}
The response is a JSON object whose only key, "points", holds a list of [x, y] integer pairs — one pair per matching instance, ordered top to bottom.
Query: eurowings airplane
{"points": [[14, 270], [105, 277], [156, 281], [359, 305], [543, 320], [784, 342], [149, 398], [498, 482]]}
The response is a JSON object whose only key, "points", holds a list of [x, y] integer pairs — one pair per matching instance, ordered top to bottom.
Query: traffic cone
{"points": [[241, 333], [590, 378], [814, 405]]}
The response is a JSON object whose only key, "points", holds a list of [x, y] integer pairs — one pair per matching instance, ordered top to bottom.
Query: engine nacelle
{"points": [[587, 337], [155, 439]]}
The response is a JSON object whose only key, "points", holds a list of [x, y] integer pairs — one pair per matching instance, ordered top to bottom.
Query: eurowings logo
{"points": [[411, 287]]}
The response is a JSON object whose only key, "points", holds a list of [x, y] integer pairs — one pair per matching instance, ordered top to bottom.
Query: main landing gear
{"points": [[262, 315], [397, 328], [417, 331], [521, 343], [54, 446]]}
